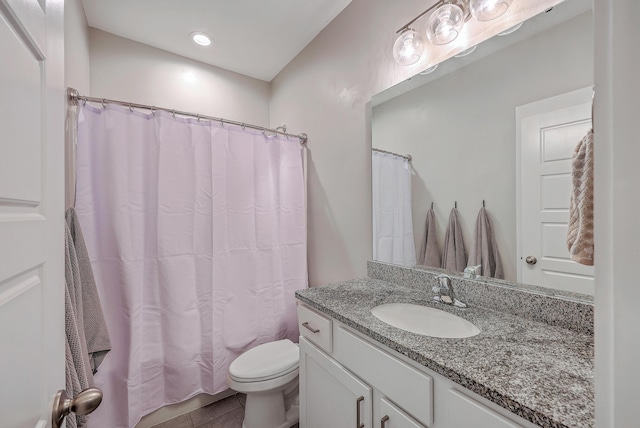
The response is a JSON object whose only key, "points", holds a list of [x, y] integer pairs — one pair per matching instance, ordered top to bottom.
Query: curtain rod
{"points": [[74, 97], [407, 157]]}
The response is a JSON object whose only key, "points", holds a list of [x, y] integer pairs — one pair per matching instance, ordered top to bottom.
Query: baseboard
{"points": [[174, 410]]}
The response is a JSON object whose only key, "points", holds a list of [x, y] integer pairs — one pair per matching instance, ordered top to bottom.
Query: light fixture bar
{"points": [[440, 3]]}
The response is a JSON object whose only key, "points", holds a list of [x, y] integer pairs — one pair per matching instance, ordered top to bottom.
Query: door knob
{"points": [[531, 260], [83, 404]]}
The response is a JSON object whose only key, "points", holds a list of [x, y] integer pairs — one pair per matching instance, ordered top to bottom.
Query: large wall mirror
{"points": [[461, 125]]}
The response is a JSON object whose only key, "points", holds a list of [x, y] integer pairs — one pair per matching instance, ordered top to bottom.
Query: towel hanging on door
{"points": [[580, 227], [454, 256], [95, 328]]}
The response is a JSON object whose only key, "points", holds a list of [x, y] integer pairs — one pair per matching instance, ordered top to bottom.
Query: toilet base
{"points": [[272, 409]]}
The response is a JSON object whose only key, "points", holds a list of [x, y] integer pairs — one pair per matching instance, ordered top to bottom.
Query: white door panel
{"points": [[21, 120], [549, 131], [554, 189], [31, 211], [568, 282]]}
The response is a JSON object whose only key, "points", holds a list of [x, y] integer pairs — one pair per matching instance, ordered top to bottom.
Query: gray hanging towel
{"points": [[580, 227], [484, 250], [430, 253], [454, 256], [95, 328], [77, 367]]}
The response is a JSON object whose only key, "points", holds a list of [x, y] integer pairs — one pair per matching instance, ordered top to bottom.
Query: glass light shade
{"points": [[486, 10], [444, 24], [511, 30], [408, 47], [466, 52], [429, 70]]}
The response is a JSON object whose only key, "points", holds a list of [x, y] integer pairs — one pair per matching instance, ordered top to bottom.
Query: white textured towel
{"points": [[580, 227], [484, 249], [454, 256], [87, 338], [77, 368]]}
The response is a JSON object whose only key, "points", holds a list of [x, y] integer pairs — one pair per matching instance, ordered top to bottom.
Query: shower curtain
{"points": [[197, 238], [393, 240]]}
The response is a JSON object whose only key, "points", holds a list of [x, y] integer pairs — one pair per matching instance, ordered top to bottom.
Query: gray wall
{"points": [[76, 47], [122, 69], [326, 91], [461, 132]]}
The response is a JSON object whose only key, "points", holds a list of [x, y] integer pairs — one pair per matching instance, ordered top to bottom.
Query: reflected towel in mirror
{"points": [[580, 227], [484, 250], [430, 253], [454, 256]]}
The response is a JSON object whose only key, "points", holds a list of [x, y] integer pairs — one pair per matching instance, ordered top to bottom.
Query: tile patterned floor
{"points": [[227, 413]]}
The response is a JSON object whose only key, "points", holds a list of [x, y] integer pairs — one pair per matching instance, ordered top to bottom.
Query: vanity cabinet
{"points": [[345, 375], [330, 396]]}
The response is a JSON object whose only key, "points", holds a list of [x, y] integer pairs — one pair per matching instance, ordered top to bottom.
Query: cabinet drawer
{"points": [[315, 327], [398, 381], [465, 412], [396, 418]]}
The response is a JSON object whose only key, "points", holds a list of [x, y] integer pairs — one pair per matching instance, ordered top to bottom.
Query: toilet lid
{"points": [[266, 361]]}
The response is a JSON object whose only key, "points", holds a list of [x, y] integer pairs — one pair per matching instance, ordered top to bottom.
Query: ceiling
{"points": [[254, 38]]}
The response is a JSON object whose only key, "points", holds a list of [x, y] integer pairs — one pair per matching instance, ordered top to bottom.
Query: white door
{"points": [[549, 131], [31, 210], [330, 396]]}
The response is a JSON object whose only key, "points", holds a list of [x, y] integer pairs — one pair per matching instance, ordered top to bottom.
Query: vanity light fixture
{"points": [[487, 10], [446, 22], [444, 25], [200, 38], [408, 47]]}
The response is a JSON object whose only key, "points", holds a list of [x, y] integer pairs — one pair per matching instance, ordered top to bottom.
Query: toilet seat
{"points": [[266, 362]]}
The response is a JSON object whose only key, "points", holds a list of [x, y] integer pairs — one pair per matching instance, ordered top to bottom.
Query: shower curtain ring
{"points": [[84, 101], [104, 103], [130, 108], [153, 110], [173, 113], [198, 118], [222, 123], [243, 126]]}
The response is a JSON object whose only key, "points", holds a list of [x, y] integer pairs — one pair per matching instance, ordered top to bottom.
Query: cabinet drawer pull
{"points": [[311, 329], [358, 401], [383, 421]]}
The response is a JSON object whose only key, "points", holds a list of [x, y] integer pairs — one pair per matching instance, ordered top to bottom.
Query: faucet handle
{"points": [[472, 271], [444, 281]]}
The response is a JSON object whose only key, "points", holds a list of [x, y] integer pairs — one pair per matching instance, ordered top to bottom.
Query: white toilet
{"points": [[268, 374]]}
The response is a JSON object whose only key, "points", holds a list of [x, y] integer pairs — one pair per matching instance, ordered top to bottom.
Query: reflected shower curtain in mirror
{"points": [[197, 237], [393, 240]]}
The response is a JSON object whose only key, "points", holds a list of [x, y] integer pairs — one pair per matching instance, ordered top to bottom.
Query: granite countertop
{"points": [[540, 372]]}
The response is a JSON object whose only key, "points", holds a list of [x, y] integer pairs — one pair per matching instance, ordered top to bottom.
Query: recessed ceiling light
{"points": [[201, 39]]}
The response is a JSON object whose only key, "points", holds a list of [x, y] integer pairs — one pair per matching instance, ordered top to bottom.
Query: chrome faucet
{"points": [[472, 272], [444, 292]]}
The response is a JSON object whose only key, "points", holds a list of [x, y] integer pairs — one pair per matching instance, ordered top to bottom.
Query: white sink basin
{"points": [[425, 320]]}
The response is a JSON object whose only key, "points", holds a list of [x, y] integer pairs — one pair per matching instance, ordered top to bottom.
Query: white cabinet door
{"points": [[31, 210], [330, 396], [465, 412], [393, 417]]}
